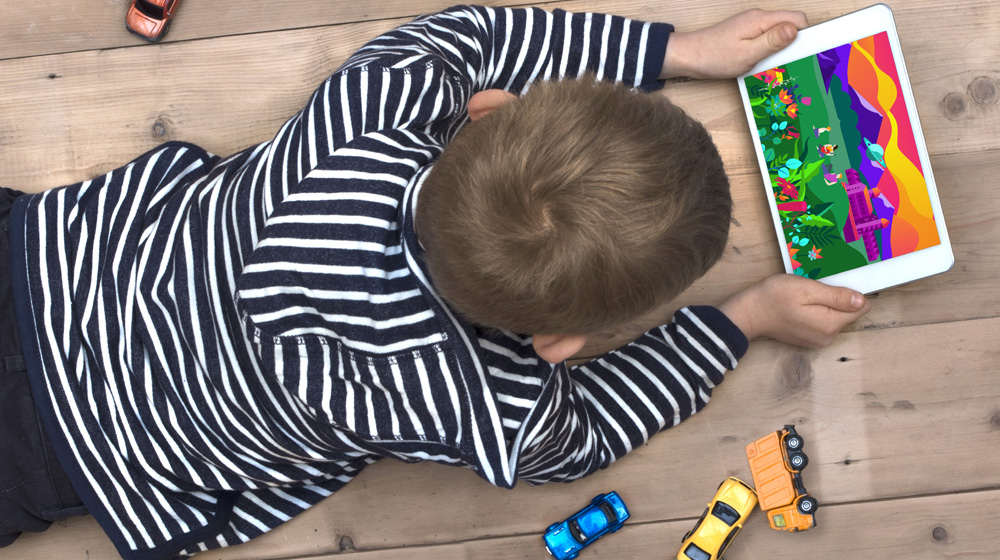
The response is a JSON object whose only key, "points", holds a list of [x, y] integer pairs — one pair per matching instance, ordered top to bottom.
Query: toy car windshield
{"points": [[148, 9], [609, 512], [727, 514], [593, 522], [574, 529], [695, 553]]}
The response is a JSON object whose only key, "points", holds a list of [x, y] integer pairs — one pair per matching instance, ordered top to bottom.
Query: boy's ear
{"points": [[485, 102], [556, 348]]}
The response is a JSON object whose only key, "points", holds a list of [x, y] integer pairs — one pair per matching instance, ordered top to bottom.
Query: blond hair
{"points": [[579, 206]]}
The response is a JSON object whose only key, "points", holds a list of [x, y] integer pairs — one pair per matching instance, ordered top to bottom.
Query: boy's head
{"points": [[578, 207]]}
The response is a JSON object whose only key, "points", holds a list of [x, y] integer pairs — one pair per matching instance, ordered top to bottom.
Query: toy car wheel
{"points": [[793, 443], [798, 461], [807, 505], [686, 535]]}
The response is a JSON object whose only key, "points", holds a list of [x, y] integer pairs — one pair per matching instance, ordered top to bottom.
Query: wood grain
{"points": [[50, 27], [194, 91], [901, 415], [880, 421], [923, 528], [920, 529]]}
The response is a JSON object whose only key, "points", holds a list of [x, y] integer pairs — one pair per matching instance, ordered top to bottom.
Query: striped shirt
{"points": [[219, 344]]}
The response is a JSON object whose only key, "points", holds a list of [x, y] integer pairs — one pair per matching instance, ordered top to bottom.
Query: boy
{"points": [[214, 346]]}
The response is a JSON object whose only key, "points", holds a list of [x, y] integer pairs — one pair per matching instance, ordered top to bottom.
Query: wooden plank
{"points": [[50, 26], [220, 94], [224, 95], [209, 103], [912, 412], [881, 420], [887, 422], [934, 527], [77, 538]]}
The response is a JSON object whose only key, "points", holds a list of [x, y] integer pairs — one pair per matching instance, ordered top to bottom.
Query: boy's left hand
{"points": [[731, 47], [795, 310]]}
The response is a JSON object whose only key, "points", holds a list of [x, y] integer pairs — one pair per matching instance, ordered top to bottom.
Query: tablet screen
{"points": [[840, 151]]}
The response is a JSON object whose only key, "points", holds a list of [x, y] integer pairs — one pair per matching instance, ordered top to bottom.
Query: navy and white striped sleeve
{"points": [[509, 48], [421, 75], [390, 82], [615, 403]]}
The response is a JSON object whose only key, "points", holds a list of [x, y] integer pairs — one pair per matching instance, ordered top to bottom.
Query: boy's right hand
{"points": [[730, 47], [795, 310]]}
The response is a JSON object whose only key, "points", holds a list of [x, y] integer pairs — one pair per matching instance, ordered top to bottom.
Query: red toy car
{"points": [[150, 19]]}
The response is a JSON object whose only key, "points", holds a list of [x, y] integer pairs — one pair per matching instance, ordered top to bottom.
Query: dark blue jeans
{"points": [[34, 490]]}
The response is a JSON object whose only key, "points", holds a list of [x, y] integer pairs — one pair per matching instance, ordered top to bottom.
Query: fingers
{"points": [[768, 19], [774, 31], [781, 35], [773, 40], [731, 47], [840, 299], [804, 312], [840, 318], [836, 321]]}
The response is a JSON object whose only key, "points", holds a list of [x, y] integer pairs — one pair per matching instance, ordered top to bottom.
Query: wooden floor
{"points": [[901, 415]]}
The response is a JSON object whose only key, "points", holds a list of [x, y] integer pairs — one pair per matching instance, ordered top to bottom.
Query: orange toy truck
{"points": [[776, 462]]}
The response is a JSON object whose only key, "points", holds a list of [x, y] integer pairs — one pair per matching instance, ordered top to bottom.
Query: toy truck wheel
{"points": [[793, 443], [798, 461], [807, 505]]}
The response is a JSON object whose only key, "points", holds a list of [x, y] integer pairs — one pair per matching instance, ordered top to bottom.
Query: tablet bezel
{"points": [[831, 34]]}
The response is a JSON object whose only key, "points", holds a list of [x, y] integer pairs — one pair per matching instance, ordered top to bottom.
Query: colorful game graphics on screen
{"points": [[840, 151]]}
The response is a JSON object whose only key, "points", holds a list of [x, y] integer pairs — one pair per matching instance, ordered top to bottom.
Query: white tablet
{"points": [[843, 156]]}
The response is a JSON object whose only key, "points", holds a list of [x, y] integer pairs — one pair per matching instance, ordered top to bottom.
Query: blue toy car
{"points": [[605, 514]]}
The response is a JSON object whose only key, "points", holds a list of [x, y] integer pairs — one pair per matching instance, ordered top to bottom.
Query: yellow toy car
{"points": [[722, 520]]}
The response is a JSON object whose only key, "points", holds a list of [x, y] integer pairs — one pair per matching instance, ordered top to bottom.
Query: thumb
{"points": [[777, 38], [842, 299]]}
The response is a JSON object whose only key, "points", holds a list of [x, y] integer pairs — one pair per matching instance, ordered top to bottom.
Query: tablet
{"points": [[843, 157]]}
